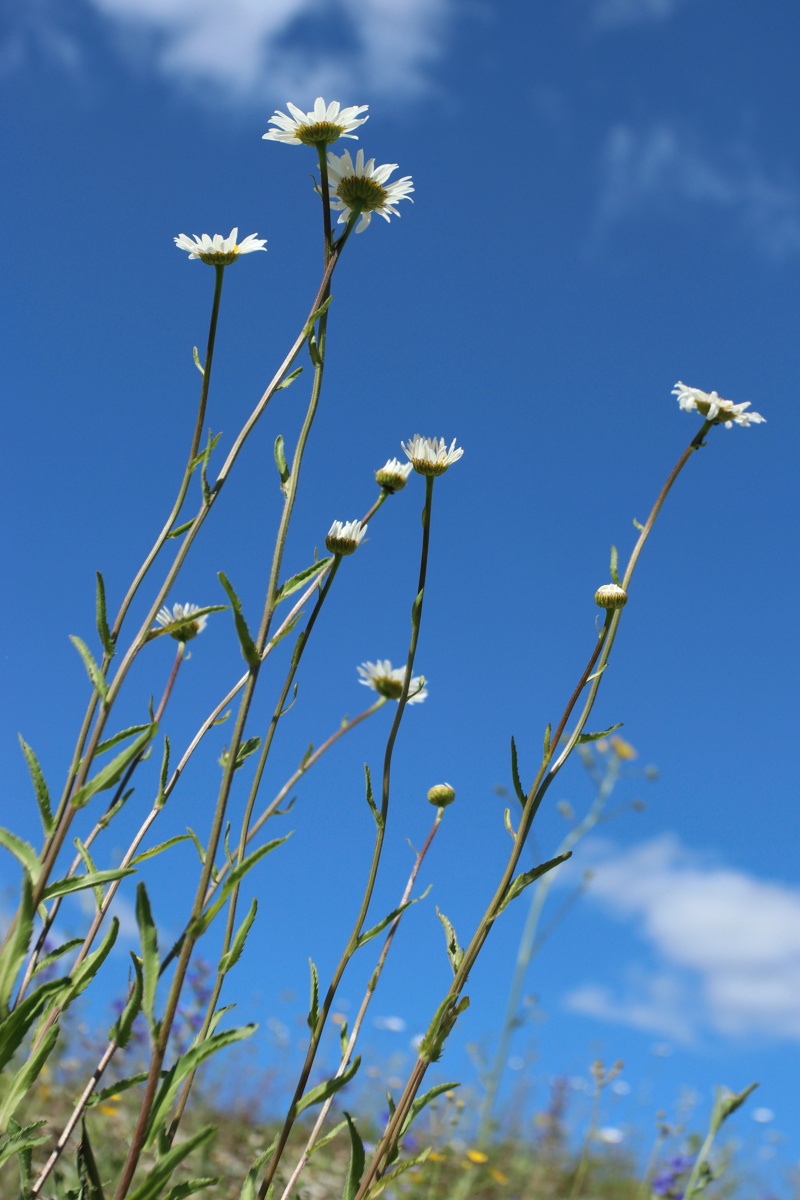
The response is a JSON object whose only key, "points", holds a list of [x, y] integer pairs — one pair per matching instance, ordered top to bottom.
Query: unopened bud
{"points": [[611, 595], [441, 795]]}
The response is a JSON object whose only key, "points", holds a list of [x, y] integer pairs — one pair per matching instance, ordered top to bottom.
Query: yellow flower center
{"points": [[320, 134]]}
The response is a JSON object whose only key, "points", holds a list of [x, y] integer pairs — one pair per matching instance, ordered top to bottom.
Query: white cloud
{"points": [[611, 14], [261, 51], [660, 171], [727, 944]]}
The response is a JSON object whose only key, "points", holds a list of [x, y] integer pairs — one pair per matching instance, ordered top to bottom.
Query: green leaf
{"points": [[317, 313], [196, 361], [289, 379], [204, 454], [280, 462], [637, 524], [179, 529], [614, 566], [300, 579], [416, 609], [286, 629], [104, 633], [248, 646], [93, 671], [123, 734], [547, 735], [593, 737], [247, 747], [113, 771], [39, 787], [518, 788], [161, 798], [371, 800], [114, 808], [508, 825], [198, 845], [154, 850], [23, 852], [91, 869], [525, 878], [232, 879], [77, 883], [369, 934], [16, 950], [454, 952], [233, 955], [150, 960], [47, 961], [83, 975], [313, 1006], [16, 1025], [440, 1028], [120, 1031], [185, 1065], [22, 1082], [320, 1093], [422, 1101], [726, 1103], [329, 1136], [18, 1139], [357, 1160], [406, 1165], [88, 1175], [153, 1186], [190, 1187], [249, 1187]]}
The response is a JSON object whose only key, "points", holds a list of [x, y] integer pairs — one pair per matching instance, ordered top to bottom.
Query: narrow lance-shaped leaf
{"points": [[317, 313], [196, 360], [289, 379], [280, 462], [179, 529], [614, 570], [301, 578], [416, 608], [103, 631], [248, 646], [93, 671], [123, 735], [547, 735], [593, 737], [113, 771], [39, 787], [518, 788], [161, 798], [371, 799], [508, 825], [160, 848], [22, 851], [91, 869], [527, 877], [232, 879], [79, 883], [369, 934], [16, 949], [454, 952], [233, 955], [47, 960], [150, 961], [83, 975], [313, 1006], [17, 1024], [440, 1028], [120, 1031], [185, 1065], [21, 1084], [320, 1093], [422, 1101], [19, 1139], [355, 1167], [88, 1174], [250, 1185], [153, 1186], [190, 1187]]}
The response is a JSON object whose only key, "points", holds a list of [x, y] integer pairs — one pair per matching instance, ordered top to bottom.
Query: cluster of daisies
{"points": [[357, 189]]}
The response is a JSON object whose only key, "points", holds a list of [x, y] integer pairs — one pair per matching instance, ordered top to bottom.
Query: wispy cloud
{"points": [[612, 14], [254, 51], [659, 171], [726, 944]]}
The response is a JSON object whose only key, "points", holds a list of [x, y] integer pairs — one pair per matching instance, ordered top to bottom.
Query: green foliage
{"points": [[248, 647], [39, 787]]}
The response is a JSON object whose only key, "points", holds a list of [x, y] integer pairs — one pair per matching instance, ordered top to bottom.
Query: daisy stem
{"points": [[322, 151], [381, 820], [448, 1009]]}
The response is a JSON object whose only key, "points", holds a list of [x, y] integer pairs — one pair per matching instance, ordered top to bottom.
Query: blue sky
{"points": [[607, 200]]}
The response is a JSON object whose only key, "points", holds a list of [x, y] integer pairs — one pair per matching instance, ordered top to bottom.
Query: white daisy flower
{"points": [[320, 127], [362, 188], [218, 251], [713, 408], [430, 456], [393, 476], [344, 536], [181, 623], [388, 681]]}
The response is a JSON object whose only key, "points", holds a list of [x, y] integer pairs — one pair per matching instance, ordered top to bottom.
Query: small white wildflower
{"points": [[320, 127], [362, 188], [218, 251], [714, 408], [430, 456], [393, 476], [344, 536], [181, 623], [388, 681], [610, 1135]]}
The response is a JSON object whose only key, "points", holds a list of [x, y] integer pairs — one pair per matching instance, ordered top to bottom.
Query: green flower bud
{"points": [[611, 595], [441, 795]]}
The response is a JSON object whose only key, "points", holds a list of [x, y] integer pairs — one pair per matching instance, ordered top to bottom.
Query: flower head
{"points": [[323, 125], [362, 188], [219, 251], [713, 408], [430, 456], [393, 476], [344, 536], [611, 595], [181, 623], [388, 681], [440, 795]]}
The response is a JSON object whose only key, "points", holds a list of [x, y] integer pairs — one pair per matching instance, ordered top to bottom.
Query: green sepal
{"points": [[288, 379], [280, 462], [179, 529], [302, 577], [103, 631], [248, 646], [92, 670], [594, 737], [114, 770], [39, 787], [518, 788], [371, 799], [154, 850], [23, 852], [525, 878], [232, 880], [78, 883], [16, 949], [454, 952], [232, 956], [150, 960], [313, 1005], [16, 1025], [120, 1031], [185, 1065], [22, 1082], [320, 1093], [358, 1158], [88, 1174], [153, 1186], [249, 1187]]}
